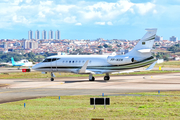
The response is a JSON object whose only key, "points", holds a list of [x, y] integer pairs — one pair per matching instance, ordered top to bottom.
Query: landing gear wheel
{"points": [[106, 77], [52, 79], [92, 79]]}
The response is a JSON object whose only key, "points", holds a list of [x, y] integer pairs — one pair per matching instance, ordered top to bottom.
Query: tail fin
{"points": [[143, 49], [12, 60]]}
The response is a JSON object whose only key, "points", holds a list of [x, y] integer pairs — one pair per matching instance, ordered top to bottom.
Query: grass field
{"points": [[169, 64], [31, 75], [145, 106]]}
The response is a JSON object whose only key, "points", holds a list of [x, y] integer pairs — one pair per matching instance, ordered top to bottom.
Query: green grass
{"points": [[169, 64], [31, 75], [78, 107]]}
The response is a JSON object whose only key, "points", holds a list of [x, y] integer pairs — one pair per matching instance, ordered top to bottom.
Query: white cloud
{"points": [[28, 1], [16, 2], [48, 3], [63, 8], [144, 8], [155, 11], [60, 12], [41, 15], [19, 19], [71, 19], [100, 23], [109, 23], [78, 24]]}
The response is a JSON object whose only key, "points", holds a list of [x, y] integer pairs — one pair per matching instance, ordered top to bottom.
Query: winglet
{"points": [[151, 66], [83, 69]]}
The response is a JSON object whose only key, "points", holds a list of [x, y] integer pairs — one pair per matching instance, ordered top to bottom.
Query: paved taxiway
{"points": [[17, 89]]}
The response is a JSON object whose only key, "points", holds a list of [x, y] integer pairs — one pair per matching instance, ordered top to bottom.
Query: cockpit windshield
{"points": [[51, 59]]}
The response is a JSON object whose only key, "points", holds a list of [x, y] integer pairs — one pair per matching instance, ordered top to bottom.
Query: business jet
{"points": [[139, 56]]}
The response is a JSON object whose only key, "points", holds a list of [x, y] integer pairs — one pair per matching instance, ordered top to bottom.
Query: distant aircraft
{"points": [[138, 57], [23, 62]]}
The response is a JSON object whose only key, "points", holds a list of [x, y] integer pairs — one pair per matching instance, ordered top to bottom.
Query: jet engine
{"points": [[119, 60]]}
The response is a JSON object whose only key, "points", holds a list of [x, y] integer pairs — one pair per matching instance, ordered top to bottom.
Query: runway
{"points": [[17, 89]]}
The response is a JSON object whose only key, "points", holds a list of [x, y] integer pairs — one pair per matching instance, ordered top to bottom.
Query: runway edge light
{"points": [[24, 105]]}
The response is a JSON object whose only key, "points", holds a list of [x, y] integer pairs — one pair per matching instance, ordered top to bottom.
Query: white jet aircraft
{"points": [[139, 56]]}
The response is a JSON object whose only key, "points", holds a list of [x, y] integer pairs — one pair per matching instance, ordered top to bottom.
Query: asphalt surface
{"points": [[18, 89]]}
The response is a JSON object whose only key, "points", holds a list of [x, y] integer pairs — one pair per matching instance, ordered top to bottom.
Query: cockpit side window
{"points": [[51, 59], [47, 60]]}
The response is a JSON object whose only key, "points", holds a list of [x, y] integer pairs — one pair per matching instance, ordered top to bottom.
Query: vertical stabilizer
{"points": [[143, 49], [12, 60]]}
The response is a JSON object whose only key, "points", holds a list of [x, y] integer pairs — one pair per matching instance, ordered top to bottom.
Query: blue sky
{"points": [[90, 19]]}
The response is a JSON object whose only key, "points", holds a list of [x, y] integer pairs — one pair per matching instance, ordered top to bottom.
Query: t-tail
{"points": [[143, 49], [12, 60]]}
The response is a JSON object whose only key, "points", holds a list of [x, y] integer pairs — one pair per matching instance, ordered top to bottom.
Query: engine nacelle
{"points": [[118, 60]]}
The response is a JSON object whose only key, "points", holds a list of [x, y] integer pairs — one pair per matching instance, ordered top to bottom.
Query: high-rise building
{"points": [[44, 34], [50, 34], [30, 35], [37, 35], [57, 35], [158, 38], [173, 38], [26, 44], [30, 44], [33, 44]]}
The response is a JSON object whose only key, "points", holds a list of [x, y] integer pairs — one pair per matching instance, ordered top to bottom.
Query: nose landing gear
{"points": [[52, 76]]}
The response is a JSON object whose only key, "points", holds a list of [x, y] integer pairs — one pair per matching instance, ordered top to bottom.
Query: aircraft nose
{"points": [[35, 67]]}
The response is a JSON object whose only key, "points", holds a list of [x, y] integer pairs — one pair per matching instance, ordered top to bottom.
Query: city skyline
{"points": [[115, 19], [50, 35]]}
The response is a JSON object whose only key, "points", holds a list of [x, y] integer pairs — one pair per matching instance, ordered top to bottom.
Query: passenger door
{"points": [[54, 64]]}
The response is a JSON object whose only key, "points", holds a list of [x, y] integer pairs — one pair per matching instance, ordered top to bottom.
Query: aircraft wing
{"points": [[6, 64], [151, 66], [83, 69], [138, 70]]}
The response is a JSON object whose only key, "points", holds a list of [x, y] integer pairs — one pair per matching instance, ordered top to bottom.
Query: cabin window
{"points": [[143, 43], [63, 61], [66, 61], [69, 61], [72, 61], [76, 61], [79, 61], [83, 61]]}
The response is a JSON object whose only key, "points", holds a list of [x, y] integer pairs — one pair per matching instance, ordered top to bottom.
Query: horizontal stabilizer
{"points": [[144, 50], [151, 66], [83, 69]]}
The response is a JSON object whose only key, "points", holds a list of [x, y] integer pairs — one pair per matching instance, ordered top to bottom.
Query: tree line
{"points": [[6, 57]]}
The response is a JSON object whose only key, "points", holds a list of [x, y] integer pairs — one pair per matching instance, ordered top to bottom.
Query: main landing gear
{"points": [[52, 75], [107, 77], [91, 78]]}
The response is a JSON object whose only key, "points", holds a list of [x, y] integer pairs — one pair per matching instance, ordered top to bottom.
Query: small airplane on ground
{"points": [[138, 57], [23, 62]]}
